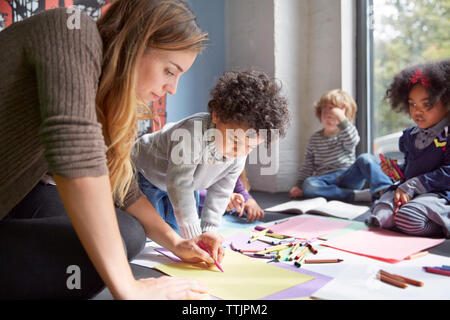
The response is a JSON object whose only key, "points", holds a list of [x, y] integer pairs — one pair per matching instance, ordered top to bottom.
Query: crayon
{"points": [[397, 169], [323, 260], [437, 271], [402, 278], [392, 281]]}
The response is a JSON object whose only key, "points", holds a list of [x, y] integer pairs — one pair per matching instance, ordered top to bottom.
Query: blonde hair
{"points": [[128, 29], [338, 98]]}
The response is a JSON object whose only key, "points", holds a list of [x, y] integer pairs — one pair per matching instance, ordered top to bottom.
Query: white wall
{"points": [[304, 44]]}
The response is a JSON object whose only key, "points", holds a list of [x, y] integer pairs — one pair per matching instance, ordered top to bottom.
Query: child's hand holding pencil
{"points": [[205, 249]]}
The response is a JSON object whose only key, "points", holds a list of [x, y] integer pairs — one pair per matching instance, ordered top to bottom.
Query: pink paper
{"points": [[307, 227], [382, 244]]}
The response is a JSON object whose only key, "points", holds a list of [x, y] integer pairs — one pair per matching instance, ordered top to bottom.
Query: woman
{"points": [[68, 106]]}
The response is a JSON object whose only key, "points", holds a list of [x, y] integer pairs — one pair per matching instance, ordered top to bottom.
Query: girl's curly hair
{"points": [[434, 76], [252, 98]]}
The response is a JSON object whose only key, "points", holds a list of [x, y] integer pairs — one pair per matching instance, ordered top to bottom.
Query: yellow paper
{"points": [[244, 278]]}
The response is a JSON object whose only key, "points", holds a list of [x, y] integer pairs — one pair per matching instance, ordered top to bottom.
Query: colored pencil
{"points": [[203, 246], [417, 255], [323, 260], [437, 271], [402, 278], [392, 281]]}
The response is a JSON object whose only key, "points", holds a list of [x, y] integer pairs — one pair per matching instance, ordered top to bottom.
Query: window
{"points": [[400, 33]]}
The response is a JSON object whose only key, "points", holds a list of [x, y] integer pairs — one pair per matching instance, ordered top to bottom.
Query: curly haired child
{"points": [[212, 152], [329, 169], [419, 204]]}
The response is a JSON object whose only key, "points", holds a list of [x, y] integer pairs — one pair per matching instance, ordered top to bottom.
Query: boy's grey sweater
{"points": [[182, 158]]}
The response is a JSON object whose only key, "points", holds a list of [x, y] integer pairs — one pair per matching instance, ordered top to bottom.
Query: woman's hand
{"points": [[296, 192], [254, 211], [188, 250], [167, 288]]}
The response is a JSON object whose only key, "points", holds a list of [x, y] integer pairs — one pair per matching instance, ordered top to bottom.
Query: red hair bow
{"points": [[419, 76]]}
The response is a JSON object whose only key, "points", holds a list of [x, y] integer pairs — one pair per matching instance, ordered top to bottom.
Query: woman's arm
{"points": [[89, 204]]}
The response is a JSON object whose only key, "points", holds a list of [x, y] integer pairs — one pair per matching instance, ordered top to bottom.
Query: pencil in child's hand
{"points": [[202, 245]]}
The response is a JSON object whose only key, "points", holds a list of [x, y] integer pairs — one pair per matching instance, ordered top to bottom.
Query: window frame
{"points": [[364, 75]]}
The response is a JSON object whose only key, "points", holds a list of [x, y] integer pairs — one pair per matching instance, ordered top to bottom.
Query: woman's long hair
{"points": [[128, 29]]}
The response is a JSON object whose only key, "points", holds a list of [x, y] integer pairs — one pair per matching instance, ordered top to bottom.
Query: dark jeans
{"points": [[339, 185], [38, 245]]}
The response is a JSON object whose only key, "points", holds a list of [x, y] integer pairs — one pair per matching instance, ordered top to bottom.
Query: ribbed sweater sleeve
{"points": [[67, 66], [348, 135], [307, 168]]}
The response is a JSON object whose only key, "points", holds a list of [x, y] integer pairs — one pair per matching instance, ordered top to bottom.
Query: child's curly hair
{"points": [[434, 76], [252, 98], [338, 98]]}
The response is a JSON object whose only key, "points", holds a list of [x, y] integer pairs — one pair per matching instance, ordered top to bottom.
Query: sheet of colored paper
{"points": [[308, 227], [382, 244], [168, 254], [244, 277], [356, 279], [302, 290]]}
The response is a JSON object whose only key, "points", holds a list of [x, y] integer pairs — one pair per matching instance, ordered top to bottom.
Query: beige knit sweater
{"points": [[48, 82]]}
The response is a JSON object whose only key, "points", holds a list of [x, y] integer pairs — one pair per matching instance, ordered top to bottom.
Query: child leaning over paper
{"points": [[209, 150], [329, 168], [420, 203]]}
